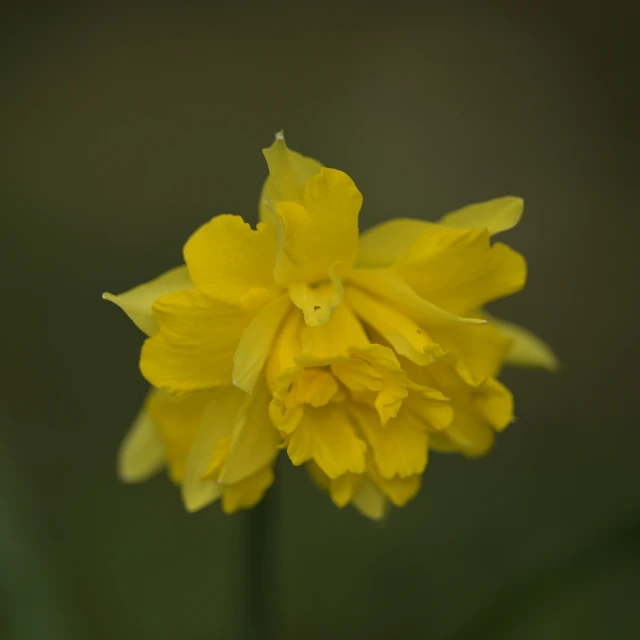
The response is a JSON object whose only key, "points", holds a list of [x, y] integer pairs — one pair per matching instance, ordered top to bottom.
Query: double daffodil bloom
{"points": [[355, 354]]}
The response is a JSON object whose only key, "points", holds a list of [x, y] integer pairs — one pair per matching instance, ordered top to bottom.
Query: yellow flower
{"points": [[356, 355]]}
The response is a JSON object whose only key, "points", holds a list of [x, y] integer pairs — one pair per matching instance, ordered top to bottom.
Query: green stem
{"points": [[258, 578]]}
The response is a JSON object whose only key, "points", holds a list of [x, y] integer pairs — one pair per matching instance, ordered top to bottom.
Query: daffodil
{"points": [[356, 354]]}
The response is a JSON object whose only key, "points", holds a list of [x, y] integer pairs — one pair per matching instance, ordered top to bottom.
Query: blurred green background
{"points": [[125, 129]]}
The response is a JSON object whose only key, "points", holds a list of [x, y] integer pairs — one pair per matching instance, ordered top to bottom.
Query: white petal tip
{"points": [[280, 135], [475, 321], [245, 386]]}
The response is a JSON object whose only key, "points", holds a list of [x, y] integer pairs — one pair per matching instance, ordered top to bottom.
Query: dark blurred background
{"points": [[125, 129]]}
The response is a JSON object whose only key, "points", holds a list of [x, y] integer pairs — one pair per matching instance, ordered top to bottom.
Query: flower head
{"points": [[357, 355]]}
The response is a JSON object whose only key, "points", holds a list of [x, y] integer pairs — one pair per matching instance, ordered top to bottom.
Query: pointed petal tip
{"points": [[279, 135], [243, 385], [128, 474], [127, 477], [192, 505]]}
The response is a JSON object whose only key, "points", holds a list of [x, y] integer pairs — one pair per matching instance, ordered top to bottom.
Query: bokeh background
{"points": [[124, 129]]}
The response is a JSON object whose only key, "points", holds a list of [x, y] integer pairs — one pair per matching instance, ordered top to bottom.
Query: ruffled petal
{"points": [[497, 215], [321, 233], [385, 243], [228, 257], [458, 270], [137, 303], [198, 337], [527, 349], [375, 369], [315, 387], [479, 410], [326, 436], [399, 448], [141, 454], [350, 488], [398, 490]]}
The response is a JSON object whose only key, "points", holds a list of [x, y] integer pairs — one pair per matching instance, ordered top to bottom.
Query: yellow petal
{"points": [[288, 175], [497, 215], [321, 233], [385, 243], [227, 256], [459, 270], [390, 287], [318, 302], [137, 303], [402, 333], [198, 337], [256, 342], [322, 345], [286, 348], [481, 349], [527, 349], [375, 368], [358, 375], [315, 387], [495, 402], [478, 410], [437, 413], [285, 418], [177, 420], [215, 424], [470, 434], [326, 436], [254, 440], [440, 442], [399, 448], [141, 454], [217, 459], [319, 477], [346, 487], [343, 489], [398, 490], [248, 492], [370, 502]]}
